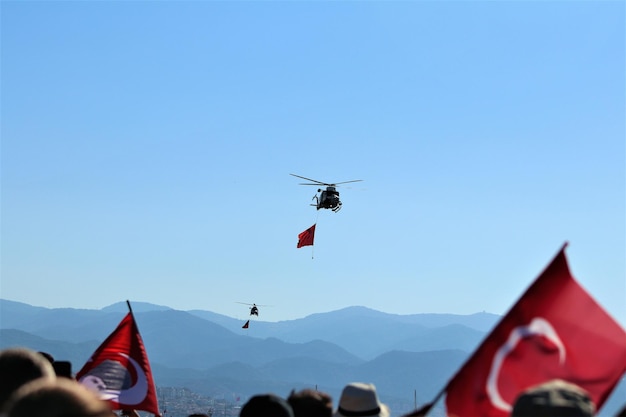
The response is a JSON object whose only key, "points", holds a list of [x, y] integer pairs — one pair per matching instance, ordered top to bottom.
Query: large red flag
{"points": [[306, 238], [555, 330], [119, 370]]}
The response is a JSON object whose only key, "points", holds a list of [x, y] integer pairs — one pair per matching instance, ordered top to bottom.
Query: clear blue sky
{"points": [[147, 147]]}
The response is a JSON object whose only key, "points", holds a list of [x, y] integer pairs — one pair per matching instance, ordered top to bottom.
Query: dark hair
{"points": [[47, 356], [310, 403], [266, 405]]}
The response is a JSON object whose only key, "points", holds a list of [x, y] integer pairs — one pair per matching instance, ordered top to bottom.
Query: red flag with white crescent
{"points": [[306, 238], [555, 330], [119, 370]]}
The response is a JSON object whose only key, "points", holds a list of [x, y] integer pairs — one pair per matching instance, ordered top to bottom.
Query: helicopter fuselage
{"points": [[329, 199]]}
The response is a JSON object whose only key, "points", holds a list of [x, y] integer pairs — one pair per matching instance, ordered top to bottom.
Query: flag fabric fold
{"points": [[306, 238], [555, 330], [119, 370]]}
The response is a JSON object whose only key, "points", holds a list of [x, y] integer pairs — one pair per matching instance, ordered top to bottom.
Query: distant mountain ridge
{"points": [[346, 328], [212, 355]]}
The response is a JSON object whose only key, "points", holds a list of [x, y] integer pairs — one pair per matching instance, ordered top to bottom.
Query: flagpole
{"points": [[317, 216], [130, 311], [425, 409]]}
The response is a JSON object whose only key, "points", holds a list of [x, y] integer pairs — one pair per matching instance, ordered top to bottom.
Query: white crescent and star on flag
{"points": [[537, 327]]}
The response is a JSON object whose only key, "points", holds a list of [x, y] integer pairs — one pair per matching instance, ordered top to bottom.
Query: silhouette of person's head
{"points": [[19, 366], [61, 398], [556, 398], [360, 399], [310, 403], [266, 405]]}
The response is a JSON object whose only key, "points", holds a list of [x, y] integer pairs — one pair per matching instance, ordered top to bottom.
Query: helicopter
{"points": [[328, 198], [254, 309]]}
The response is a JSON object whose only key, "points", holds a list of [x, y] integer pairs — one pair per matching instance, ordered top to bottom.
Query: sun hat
{"points": [[556, 398], [360, 400], [266, 405]]}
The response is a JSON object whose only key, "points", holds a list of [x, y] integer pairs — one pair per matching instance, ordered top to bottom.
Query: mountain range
{"points": [[408, 357]]}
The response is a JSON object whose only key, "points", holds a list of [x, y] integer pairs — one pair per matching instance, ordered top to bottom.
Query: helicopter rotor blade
{"points": [[309, 179], [316, 182], [250, 304]]}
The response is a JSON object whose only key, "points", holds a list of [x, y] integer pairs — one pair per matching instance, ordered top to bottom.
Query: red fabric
{"points": [[306, 238], [245, 326], [555, 330], [120, 372]]}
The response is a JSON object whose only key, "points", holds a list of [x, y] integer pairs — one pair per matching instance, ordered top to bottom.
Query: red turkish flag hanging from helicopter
{"points": [[306, 238]]}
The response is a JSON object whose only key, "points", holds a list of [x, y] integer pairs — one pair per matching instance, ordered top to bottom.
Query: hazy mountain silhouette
{"points": [[348, 328], [210, 353], [218, 357]]}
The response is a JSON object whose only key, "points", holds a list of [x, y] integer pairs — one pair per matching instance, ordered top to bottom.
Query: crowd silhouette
{"points": [[32, 386]]}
